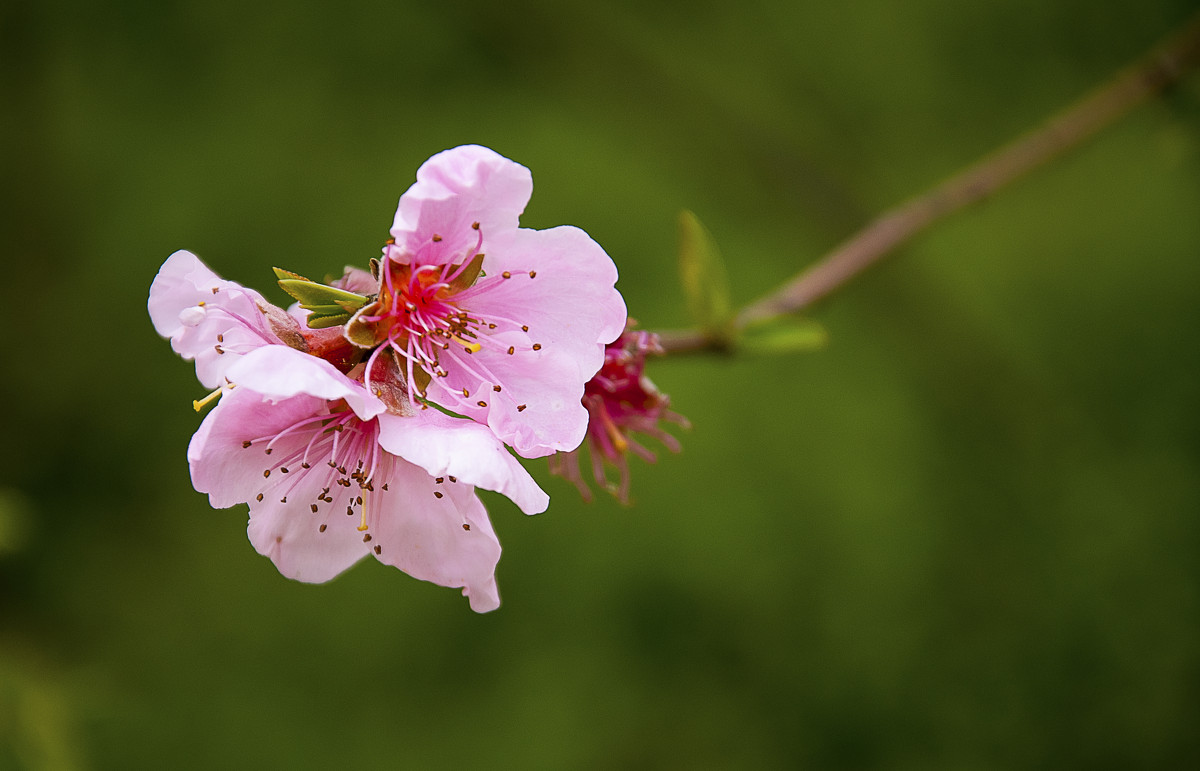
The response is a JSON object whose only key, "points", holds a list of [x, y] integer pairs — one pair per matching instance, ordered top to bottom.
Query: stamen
{"points": [[471, 347], [199, 404]]}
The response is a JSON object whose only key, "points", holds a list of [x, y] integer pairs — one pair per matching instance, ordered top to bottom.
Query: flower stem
{"points": [[1162, 65]]}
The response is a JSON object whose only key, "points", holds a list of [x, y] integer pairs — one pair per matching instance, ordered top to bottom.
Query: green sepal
{"points": [[705, 280], [327, 306], [320, 320], [783, 334]]}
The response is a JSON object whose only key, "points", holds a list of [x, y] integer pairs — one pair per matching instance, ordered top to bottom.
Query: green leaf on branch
{"points": [[705, 280], [327, 306], [783, 334]]}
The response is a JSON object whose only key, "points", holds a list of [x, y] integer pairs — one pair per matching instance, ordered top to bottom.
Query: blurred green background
{"points": [[964, 536]]}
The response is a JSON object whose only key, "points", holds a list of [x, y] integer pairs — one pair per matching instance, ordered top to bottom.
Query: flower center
{"points": [[423, 316], [346, 446], [334, 458]]}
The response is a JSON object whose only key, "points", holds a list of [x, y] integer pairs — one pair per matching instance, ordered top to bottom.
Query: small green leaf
{"points": [[705, 280], [328, 306], [318, 321], [783, 334]]}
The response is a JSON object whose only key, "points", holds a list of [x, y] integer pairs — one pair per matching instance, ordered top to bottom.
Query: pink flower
{"points": [[495, 322], [621, 401], [298, 437], [332, 476]]}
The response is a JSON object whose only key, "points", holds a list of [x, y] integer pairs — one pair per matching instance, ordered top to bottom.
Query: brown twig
{"points": [[1150, 74]]}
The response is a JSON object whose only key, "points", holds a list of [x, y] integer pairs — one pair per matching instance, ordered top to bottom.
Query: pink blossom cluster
{"points": [[622, 402], [368, 438]]}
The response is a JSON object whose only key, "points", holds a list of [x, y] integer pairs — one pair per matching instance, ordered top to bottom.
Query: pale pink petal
{"points": [[454, 190], [357, 280], [560, 285], [571, 303], [207, 318], [278, 372], [538, 409], [444, 446], [225, 469], [282, 491], [447, 540], [305, 545]]}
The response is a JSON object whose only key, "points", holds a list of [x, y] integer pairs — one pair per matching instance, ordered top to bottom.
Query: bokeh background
{"points": [[965, 535]]}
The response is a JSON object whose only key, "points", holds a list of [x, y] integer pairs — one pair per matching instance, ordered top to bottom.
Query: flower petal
{"points": [[455, 189], [560, 285], [572, 302], [207, 318], [278, 372], [538, 410], [446, 446], [222, 465], [289, 500], [447, 540], [305, 545]]}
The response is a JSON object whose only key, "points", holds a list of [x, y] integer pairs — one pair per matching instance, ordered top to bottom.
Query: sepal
{"points": [[328, 306]]}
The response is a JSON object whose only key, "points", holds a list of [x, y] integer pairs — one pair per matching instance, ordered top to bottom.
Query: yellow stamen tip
{"points": [[472, 347]]}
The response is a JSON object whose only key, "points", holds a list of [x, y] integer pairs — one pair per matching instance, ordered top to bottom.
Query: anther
{"points": [[474, 226], [436, 238], [506, 274], [533, 274], [215, 290], [524, 328], [220, 338], [537, 346], [218, 349], [511, 350], [496, 388], [466, 394], [481, 403], [521, 407], [246, 444], [268, 451], [283, 469], [266, 473], [453, 479], [439, 480], [385, 486], [436, 494], [259, 497], [283, 499], [313, 506], [349, 511], [466, 526], [322, 528], [366, 538], [378, 549]]}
